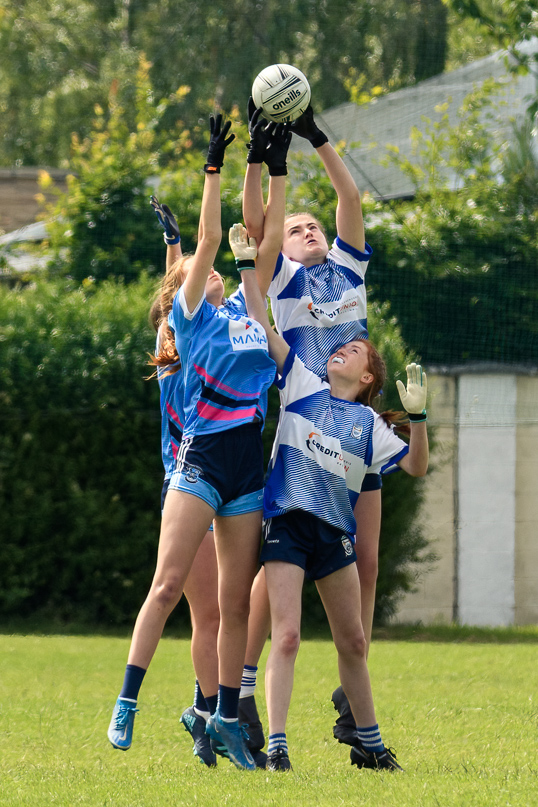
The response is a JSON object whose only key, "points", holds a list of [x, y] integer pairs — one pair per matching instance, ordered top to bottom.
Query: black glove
{"points": [[306, 127], [259, 131], [217, 144], [277, 150], [167, 221]]}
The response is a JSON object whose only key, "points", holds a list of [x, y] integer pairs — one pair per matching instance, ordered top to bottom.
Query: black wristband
{"points": [[211, 169], [246, 263], [417, 417]]}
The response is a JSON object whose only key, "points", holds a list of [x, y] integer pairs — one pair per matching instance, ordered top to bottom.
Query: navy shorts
{"points": [[225, 469], [371, 482], [305, 540]]}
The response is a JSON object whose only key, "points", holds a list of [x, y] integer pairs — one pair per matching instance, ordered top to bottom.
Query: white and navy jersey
{"points": [[319, 309], [225, 363], [171, 387], [323, 448]]}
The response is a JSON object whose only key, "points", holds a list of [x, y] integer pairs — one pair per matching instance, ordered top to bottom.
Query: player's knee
{"points": [[167, 592], [235, 609], [207, 620], [288, 642], [353, 645]]}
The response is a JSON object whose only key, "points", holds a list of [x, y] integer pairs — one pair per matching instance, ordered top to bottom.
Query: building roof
{"points": [[369, 129]]}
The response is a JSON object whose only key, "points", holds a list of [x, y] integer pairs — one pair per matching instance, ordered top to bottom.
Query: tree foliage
{"points": [[63, 57], [459, 265]]}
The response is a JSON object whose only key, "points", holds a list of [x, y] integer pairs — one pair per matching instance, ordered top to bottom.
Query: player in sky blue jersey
{"points": [[327, 439], [219, 475], [202, 582]]}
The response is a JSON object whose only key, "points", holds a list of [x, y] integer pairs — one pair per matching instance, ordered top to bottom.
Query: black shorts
{"points": [[225, 469], [371, 482], [305, 540]]}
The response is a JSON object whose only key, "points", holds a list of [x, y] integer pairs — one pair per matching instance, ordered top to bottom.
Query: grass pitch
{"points": [[460, 709]]}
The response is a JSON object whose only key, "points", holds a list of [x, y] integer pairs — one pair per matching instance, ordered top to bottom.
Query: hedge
{"points": [[80, 465]]}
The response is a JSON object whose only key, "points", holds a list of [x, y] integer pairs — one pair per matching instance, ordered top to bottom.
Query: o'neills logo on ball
{"points": [[291, 96]]}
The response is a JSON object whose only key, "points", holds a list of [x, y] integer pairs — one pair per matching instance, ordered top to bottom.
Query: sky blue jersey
{"points": [[226, 367]]}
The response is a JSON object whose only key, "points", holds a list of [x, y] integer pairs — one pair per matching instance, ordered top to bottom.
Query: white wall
{"points": [[486, 468]]}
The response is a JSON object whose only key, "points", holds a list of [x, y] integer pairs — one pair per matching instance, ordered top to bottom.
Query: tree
{"points": [[509, 23], [64, 56], [103, 225], [459, 265]]}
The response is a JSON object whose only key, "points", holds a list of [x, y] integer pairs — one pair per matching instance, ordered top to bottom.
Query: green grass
{"points": [[461, 712]]}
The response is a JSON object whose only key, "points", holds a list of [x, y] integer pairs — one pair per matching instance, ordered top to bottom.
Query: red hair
{"points": [[367, 396]]}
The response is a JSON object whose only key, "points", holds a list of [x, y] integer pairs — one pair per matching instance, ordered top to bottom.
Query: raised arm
{"points": [[275, 156], [253, 213], [349, 220], [210, 228], [172, 238], [244, 250], [413, 398]]}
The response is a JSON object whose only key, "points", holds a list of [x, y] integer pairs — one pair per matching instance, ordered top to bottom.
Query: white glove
{"points": [[243, 247], [414, 397]]}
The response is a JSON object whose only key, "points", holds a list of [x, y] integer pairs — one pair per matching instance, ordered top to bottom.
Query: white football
{"points": [[282, 91]]}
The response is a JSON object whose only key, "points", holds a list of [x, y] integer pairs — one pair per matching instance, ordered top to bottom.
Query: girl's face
{"points": [[304, 240], [214, 288], [350, 364]]}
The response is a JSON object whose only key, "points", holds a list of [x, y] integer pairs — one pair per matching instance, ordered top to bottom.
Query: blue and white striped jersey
{"points": [[319, 309], [226, 366], [323, 448]]}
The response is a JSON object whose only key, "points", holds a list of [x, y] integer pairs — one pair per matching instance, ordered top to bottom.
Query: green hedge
{"points": [[80, 465]]}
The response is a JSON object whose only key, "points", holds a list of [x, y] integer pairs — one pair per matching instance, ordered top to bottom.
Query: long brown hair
{"points": [[167, 355], [367, 396]]}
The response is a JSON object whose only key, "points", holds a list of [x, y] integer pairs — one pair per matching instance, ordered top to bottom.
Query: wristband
{"points": [[211, 169], [170, 241], [246, 263], [417, 417]]}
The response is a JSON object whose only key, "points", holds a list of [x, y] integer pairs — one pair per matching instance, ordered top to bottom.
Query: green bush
{"points": [[80, 466], [80, 469]]}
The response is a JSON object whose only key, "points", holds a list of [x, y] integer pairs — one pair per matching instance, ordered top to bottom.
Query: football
{"points": [[282, 91]]}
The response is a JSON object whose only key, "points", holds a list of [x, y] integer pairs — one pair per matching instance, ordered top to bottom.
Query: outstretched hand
{"points": [[305, 126], [259, 130], [218, 143], [276, 152], [166, 220], [243, 247], [414, 397]]}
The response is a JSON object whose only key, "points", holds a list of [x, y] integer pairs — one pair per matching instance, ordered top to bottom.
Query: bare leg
{"points": [[368, 516], [184, 523], [237, 541], [284, 584], [201, 591], [341, 597], [259, 623]]}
